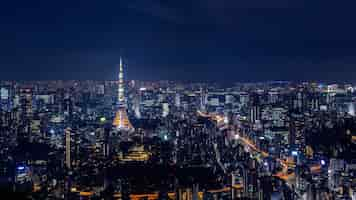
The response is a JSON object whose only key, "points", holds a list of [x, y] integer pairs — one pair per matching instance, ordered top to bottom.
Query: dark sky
{"points": [[233, 40]]}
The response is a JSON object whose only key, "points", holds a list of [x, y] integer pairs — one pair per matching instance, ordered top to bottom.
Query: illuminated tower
{"points": [[121, 88], [121, 121]]}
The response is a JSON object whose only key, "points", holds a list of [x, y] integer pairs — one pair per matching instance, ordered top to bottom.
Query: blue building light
{"points": [[294, 153], [322, 162]]}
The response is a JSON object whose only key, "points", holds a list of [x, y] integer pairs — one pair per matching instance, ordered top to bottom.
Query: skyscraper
{"points": [[26, 97], [5, 98], [255, 113], [121, 121], [68, 147]]}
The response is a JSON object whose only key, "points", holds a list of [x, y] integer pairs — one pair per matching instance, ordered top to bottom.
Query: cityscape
{"points": [[177, 100], [129, 139]]}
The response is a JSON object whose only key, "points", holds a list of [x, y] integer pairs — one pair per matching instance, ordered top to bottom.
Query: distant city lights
{"points": [[102, 119], [226, 120], [294, 153], [265, 164]]}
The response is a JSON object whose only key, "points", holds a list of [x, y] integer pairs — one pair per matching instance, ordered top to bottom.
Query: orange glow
{"points": [[213, 117], [121, 120], [353, 138], [315, 169], [86, 194], [172, 195]]}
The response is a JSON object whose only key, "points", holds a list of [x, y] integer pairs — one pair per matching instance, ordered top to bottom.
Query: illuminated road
{"points": [[213, 117], [248, 143], [283, 174]]}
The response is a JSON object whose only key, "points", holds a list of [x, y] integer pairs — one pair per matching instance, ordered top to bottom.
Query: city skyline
{"points": [[178, 100], [173, 141]]}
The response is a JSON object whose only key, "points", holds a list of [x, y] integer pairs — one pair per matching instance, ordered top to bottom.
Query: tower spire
{"points": [[121, 96]]}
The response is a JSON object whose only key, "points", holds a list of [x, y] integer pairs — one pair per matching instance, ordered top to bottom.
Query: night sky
{"points": [[219, 40]]}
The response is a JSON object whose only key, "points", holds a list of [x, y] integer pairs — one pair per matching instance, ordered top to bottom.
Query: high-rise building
{"points": [[100, 89], [26, 97], [5, 98], [244, 98], [203, 99], [177, 100], [68, 109], [165, 109], [255, 113], [121, 121], [106, 142], [67, 143], [335, 170]]}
